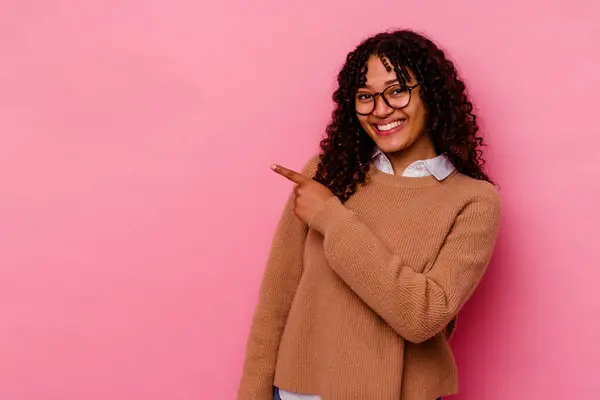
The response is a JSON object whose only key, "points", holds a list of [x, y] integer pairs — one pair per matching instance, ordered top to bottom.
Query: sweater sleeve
{"points": [[280, 281], [416, 305]]}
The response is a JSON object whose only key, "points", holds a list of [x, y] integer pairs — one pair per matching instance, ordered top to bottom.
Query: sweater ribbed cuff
{"points": [[329, 216]]}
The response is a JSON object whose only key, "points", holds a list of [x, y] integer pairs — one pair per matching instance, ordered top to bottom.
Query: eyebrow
{"points": [[390, 82]]}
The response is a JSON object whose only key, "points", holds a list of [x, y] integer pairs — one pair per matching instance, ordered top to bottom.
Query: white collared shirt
{"points": [[439, 166]]}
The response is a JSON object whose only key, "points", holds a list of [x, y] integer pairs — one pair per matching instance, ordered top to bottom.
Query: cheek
{"points": [[418, 116], [363, 122]]}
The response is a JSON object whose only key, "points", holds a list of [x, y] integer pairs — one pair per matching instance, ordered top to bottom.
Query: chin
{"points": [[391, 144], [392, 150]]}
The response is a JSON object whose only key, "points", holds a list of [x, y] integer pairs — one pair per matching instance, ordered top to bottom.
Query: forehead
{"points": [[378, 77]]}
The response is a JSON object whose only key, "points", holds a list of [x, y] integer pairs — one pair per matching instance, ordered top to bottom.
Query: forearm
{"points": [[416, 305]]}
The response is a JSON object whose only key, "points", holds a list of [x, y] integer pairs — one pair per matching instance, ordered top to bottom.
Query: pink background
{"points": [[134, 134]]}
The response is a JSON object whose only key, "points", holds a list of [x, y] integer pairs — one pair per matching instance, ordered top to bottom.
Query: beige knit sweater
{"points": [[360, 305]]}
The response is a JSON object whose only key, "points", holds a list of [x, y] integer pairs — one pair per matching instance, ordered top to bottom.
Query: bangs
{"points": [[395, 55], [399, 61]]}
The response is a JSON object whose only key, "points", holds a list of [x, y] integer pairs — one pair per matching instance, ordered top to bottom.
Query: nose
{"points": [[381, 108]]}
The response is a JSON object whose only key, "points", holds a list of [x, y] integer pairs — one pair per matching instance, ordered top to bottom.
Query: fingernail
{"points": [[273, 167]]}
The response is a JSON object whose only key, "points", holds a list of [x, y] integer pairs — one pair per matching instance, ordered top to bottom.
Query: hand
{"points": [[311, 196]]}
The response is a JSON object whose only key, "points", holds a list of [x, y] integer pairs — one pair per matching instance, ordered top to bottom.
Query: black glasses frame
{"points": [[409, 88]]}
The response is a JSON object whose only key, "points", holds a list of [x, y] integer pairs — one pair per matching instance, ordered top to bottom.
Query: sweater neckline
{"points": [[379, 176]]}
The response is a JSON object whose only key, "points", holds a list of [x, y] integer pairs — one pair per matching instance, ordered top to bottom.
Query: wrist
{"points": [[331, 214]]}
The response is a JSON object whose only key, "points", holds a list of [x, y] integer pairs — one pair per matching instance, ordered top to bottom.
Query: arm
{"points": [[280, 281], [416, 305]]}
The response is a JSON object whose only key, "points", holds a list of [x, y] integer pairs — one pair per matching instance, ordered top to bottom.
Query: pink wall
{"points": [[134, 132]]}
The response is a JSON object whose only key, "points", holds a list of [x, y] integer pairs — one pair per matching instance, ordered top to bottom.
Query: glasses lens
{"points": [[397, 96], [364, 102]]}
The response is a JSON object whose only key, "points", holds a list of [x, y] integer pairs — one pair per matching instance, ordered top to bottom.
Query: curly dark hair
{"points": [[346, 150]]}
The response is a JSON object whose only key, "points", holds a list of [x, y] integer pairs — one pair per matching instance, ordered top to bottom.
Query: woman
{"points": [[387, 234]]}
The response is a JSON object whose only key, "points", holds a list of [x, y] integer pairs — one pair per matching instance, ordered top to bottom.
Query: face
{"points": [[394, 130]]}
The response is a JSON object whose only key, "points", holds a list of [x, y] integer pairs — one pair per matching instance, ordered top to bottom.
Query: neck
{"points": [[421, 150]]}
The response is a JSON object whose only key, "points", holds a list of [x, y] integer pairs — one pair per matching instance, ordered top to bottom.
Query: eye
{"points": [[400, 90], [364, 96]]}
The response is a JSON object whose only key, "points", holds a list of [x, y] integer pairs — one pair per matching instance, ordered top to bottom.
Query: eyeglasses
{"points": [[395, 96]]}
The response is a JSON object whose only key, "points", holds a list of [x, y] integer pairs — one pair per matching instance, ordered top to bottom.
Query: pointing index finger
{"points": [[289, 174]]}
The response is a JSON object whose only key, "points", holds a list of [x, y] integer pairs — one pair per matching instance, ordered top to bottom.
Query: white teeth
{"points": [[391, 125]]}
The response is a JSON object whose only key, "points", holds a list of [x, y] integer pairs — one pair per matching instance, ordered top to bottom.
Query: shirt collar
{"points": [[440, 166]]}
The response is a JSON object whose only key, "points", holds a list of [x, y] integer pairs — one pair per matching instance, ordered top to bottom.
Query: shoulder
{"points": [[310, 168], [475, 191]]}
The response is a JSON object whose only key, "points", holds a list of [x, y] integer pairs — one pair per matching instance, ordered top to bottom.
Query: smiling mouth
{"points": [[389, 128]]}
